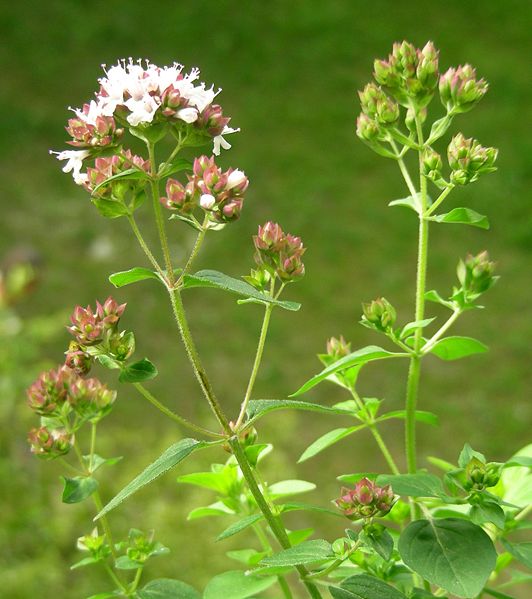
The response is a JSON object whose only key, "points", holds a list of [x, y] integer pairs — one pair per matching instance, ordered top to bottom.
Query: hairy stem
{"points": [[404, 170], [439, 200], [145, 247], [195, 251], [446, 326], [172, 415], [265, 544]]}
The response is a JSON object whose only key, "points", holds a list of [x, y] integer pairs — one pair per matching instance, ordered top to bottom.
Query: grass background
{"points": [[289, 71]]}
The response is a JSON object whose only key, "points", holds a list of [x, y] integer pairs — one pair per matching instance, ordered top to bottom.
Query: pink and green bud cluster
{"points": [[409, 74], [460, 90], [378, 106], [100, 134], [468, 159], [432, 165], [108, 166], [219, 194], [279, 253], [476, 274], [379, 314], [90, 328], [338, 348], [78, 360], [48, 394], [90, 398], [49, 444], [481, 475], [366, 500], [95, 544], [142, 546]]}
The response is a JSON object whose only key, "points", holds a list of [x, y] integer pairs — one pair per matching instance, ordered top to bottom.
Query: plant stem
{"points": [[404, 170], [154, 184], [439, 200], [145, 247], [194, 252], [432, 341], [193, 356], [256, 364], [415, 366], [172, 415], [376, 435], [93, 445], [274, 522], [105, 523], [267, 547], [337, 562], [115, 578], [136, 580], [285, 588]]}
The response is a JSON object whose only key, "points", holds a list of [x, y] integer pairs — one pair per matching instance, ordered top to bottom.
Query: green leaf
{"points": [[177, 164], [129, 174], [412, 202], [110, 208], [464, 216], [133, 275], [218, 280], [434, 296], [411, 327], [454, 348], [361, 356], [108, 362], [143, 370], [259, 407], [421, 416], [329, 439], [467, 454], [170, 458], [519, 460], [97, 461], [216, 481], [413, 485], [286, 488], [78, 489], [296, 506], [215, 509], [487, 512], [239, 526], [298, 536], [379, 539], [521, 551], [308, 552], [451, 553], [86, 561], [126, 563], [237, 585], [364, 586], [166, 588], [497, 594], [103, 596]]}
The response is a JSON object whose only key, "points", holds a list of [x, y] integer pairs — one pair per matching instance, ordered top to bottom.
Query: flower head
{"points": [[460, 90], [468, 159], [278, 252], [89, 327], [48, 394], [49, 443], [366, 500]]}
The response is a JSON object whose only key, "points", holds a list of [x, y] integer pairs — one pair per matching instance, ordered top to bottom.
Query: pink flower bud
{"points": [[48, 394], [49, 444], [366, 500]]}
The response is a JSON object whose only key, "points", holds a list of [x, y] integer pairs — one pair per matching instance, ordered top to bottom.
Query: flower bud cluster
{"points": [[410, 74], [460, 90], [378, 106], [102, 133], [468, 159], [108, 166], [431, 167], [219, 194], [279, 253], [475, 274], [379, 314], [90, 328], [338, 348], [49, 393], [90, 398], [49, 444], [481, 475], [366, 500], [95, 544], [141, 546]]}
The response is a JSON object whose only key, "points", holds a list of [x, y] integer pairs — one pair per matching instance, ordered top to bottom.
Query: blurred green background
{"points": [[289, 71]]}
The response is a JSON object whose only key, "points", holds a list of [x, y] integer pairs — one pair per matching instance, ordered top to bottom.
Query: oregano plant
{"points": [[416, 531]]}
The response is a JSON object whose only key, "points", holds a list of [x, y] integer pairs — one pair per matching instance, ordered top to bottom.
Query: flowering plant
{"points": [[411, 534]]}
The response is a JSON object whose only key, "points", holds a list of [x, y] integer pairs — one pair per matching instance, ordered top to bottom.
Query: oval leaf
{"points": [[130, 173], [110, 208], [464, 216], [126, 277], [218, 280], [454, 348], [361, 356], [143, 370], [259, 407], [329, 439], [170, 458], [413, 485], [286, 488], [78, 489], [239, 526], [307, 552], [451, 553], [237, 585], [364, 586], [166, 588]]}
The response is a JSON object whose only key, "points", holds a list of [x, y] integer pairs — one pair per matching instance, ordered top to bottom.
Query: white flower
{"points": [[142, 110], [189, 115], [220, 142], [74, 163], [235, 178], [207, 201]]}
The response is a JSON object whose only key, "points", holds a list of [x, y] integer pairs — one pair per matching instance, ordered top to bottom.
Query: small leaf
{"points": [[177, 164], [129, 174], [412, 202], [110, 208], [464, 216], [133, 275], [218, 280], [434, 296], [411, 327], [454, 348], [361, 356], [108, 362], [143, 370], [259, 407], [421, 416], [329, 439], [467, 454], [170, 458], [519, 460], [97, 461], [421, 484], [287, 488], [78, 489], [305, 507], [215, 509], [487, 512], [239, 526], [298, 536], [380, 540], [521, 551], [308, 552], [451, 553], [86, 561], [125, 563], [237, 585], [364, 586], [166, 588], [497, 594]]}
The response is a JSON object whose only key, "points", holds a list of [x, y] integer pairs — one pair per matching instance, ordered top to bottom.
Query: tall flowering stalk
{"points": [[384, 550]]}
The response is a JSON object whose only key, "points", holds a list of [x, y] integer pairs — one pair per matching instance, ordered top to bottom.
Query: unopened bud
{"points": [[460, 90], [468, 159], [475, 273], [380, 314], [338, 348], [78, 360], [49, 444], [366, 500]]}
